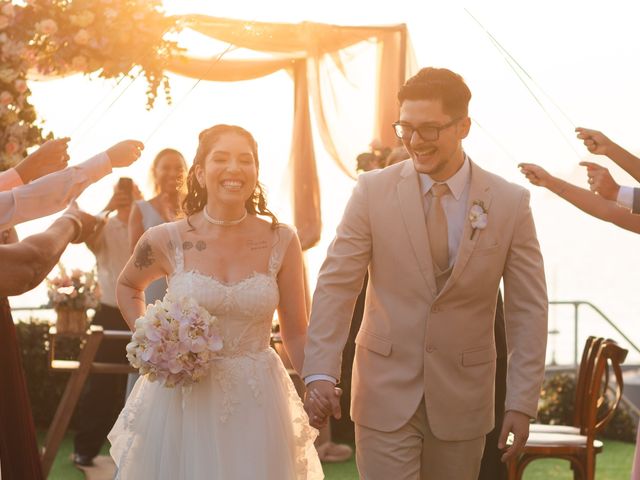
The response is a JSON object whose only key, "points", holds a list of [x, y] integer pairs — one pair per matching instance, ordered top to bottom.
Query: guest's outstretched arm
{"points": [[599, 144], [585, 200], [25, 264]]}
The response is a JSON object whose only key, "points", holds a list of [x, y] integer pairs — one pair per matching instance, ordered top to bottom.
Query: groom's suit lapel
{"points": [[479, 192], [412, 211]]}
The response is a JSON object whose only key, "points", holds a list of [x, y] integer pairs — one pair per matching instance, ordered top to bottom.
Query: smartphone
{"points": [[125, 184]]}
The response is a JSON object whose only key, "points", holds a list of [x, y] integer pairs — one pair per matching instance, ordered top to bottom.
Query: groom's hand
{"points": [[322, 399], [518, 424]]}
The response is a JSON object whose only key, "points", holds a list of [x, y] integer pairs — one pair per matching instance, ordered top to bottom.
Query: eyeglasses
{"points": [[426, 131]]}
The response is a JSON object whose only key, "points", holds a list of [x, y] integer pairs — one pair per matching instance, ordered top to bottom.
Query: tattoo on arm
{"points": [[257, 244], [187, 245], [201, 245], [144, 256]]}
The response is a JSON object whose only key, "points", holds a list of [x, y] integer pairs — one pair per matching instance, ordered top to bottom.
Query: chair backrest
{"points": [[589, 353], [597, 410]]}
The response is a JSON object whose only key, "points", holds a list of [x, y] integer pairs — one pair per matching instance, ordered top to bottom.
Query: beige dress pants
{"points": [[414, 453]]}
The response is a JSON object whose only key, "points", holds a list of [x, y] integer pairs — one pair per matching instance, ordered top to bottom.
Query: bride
{"points": [[244, 420]]}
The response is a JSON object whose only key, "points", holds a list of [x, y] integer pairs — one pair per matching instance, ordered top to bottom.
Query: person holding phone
{"points": [[103, 396]]}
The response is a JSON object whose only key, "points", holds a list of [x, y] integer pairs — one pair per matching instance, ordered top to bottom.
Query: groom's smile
{"points": [[433, 138]]}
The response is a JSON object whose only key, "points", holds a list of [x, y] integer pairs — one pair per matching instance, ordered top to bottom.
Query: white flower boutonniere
{"points": [[478, 216]]}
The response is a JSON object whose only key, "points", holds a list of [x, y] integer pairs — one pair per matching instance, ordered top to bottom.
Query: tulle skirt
{"points": [[244, 421]]}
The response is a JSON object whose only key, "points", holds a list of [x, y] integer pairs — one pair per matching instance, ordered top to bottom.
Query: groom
{"points": [[437, 235]]}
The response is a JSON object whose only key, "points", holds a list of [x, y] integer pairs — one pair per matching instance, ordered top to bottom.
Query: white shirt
{"points": [[51, 193], [625, 197], [454, 205], [111, 248]]}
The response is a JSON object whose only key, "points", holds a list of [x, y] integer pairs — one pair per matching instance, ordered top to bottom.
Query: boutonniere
{"points": [[477, 216]]}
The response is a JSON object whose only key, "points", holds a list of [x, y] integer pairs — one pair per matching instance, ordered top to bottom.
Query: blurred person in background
{"points": [[103, 397]]}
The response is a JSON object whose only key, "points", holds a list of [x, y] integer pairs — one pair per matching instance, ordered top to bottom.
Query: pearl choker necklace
{"points": [[224, 223]]}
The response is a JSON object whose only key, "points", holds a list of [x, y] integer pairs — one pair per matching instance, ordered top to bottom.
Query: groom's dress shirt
{"points": [[51, 193], [454, 205]]}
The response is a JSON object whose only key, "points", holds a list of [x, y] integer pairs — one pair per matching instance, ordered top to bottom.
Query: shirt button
{"points": [[435, 308], [430, 349]]}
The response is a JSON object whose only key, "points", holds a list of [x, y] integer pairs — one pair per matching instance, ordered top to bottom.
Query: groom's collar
{"points": [[456, 183]]}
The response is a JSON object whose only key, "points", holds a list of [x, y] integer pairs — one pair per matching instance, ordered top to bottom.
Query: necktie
{"points": [[437, 228]]}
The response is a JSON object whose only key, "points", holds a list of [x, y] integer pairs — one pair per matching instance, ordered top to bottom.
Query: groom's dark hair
{"points": [[438, 84]]}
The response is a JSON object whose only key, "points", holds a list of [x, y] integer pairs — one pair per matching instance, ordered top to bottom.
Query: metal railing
{"points": [[576, 304]]}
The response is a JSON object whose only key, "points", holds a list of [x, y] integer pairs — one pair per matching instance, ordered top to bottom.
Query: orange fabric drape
{"points": [[306, 187]]}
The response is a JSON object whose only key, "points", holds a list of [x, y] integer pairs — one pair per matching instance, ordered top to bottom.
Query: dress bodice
{"points": [[245, 308]]}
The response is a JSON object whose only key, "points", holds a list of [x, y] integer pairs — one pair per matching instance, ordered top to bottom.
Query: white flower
{"points": [[478, 216]]}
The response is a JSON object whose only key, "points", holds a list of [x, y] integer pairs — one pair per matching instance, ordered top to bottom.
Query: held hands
{"points": [[595, 141], [125, 153], [50, 157], [537, 175], [601, 182], [322, 400], [518, 424]]}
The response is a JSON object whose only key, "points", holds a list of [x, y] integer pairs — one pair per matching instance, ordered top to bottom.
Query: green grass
{"points": [[614, 463]]}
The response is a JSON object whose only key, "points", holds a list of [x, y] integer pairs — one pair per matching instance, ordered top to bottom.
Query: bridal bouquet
{"points": [[175, 342]]}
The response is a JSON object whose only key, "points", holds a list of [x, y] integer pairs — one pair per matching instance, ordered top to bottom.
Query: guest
{"points": [[168, 173], [25, 265], [103, 397]]}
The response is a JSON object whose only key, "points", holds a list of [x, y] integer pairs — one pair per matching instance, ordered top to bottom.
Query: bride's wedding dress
{"points": [[245, 420]]}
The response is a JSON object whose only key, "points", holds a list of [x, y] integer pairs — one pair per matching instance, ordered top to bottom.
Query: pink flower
{"points": [[47, 27], [82, 37], [6, 98], [11, 147]]}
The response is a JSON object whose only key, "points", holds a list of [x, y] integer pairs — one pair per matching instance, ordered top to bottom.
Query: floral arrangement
{"points": [[61, 37], [76, 290], [175, 342]]}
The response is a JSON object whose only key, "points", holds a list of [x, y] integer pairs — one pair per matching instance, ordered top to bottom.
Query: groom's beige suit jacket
{"points": [[415, 342]]}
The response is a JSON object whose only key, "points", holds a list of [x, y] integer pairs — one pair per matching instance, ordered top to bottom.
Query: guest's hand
{"points": [[595, 141], [125, 153], [50, 157], [536, 174], [601, 181], [119, 200], [86, 222], [322, 399], [518, 424]]}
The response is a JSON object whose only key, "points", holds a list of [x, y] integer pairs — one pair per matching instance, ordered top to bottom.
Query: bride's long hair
{"points": [[196, 197]]}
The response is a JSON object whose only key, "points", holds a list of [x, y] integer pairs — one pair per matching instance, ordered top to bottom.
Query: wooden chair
{"points": [[591, 346], [80, 371], [581, 449]]}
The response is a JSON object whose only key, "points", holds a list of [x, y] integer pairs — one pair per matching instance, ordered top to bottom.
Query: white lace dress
{"points": [[245, 421]]}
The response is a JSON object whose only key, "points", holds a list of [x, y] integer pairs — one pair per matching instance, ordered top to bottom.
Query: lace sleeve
{"points": [[282, 239]]}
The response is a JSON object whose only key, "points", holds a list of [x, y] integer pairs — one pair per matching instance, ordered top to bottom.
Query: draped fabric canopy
{"points": [[302, 49]]}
